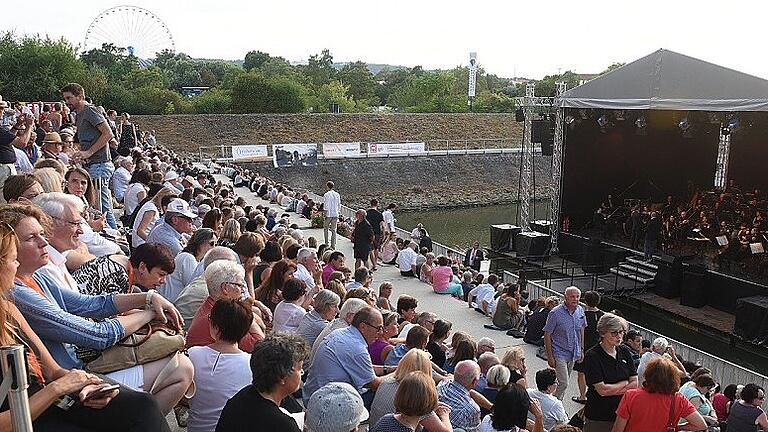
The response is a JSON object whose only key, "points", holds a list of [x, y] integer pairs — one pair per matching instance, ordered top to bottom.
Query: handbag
{"points": [[152, 342]]}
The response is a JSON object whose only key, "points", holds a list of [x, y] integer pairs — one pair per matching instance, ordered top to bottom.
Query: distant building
{"points": [[193, 91]]}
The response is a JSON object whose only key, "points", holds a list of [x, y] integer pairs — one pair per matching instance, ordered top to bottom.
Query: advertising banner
{"points": [[395, 148], [335, 150], [249, 153], [288, 155]]}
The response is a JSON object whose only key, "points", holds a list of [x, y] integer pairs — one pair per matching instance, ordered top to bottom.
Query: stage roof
{"points": [[666, 80]]}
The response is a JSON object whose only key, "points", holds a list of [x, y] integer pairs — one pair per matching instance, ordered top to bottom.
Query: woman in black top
{"points": [[591, 338], [436, 345], [610, 372]]}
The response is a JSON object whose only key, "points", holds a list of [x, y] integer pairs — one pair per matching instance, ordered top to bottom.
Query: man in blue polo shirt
{"points": [[564, 337], [343, 356]]}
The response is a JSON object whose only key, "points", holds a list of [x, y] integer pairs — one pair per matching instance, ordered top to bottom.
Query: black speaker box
{"points": [[692, 291]]}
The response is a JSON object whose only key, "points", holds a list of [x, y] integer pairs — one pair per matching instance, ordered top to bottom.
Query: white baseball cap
{"points": [[171, 175], [181, 207]]}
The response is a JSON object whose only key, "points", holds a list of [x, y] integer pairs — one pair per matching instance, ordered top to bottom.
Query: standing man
{"points": [[95, 135], [331, 208], [389, 217], [375, 218], [652, 236], [362, 239], [473, 257], [564, 337]]}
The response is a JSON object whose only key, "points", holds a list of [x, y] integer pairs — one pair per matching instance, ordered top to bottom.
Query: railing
{"points": [[432, 148], [437, 248], [724, 371]]}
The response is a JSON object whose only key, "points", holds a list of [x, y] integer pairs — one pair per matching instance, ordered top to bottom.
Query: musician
{"points": [[652, 236]]}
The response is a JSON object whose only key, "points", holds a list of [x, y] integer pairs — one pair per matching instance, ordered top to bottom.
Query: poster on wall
{"points": [[395, 148], [338, 150], [250, 153], [290, 155]]}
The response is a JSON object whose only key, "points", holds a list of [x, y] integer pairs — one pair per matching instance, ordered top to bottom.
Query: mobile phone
{"points": [[101, 392]]}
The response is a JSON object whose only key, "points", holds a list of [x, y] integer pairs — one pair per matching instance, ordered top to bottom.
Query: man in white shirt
{"points": [[121, 177], [331, 208], [389, 217], [406, 260], [307, 267], [484, 293], [551, 407]]}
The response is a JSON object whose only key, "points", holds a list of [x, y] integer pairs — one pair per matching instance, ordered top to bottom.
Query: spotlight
{"points": [[583, 114], [619, 116], [570, 121], [602, 121], [684, 124], [734, 124], [641, 125]]}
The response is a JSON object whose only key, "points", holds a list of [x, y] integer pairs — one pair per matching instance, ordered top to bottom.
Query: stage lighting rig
{"points": [[605, 123], [734, 124]]}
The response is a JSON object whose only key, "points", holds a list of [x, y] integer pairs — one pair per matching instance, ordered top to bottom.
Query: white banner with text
{"points": [[395, 148], [341, 149], [249, 153]]}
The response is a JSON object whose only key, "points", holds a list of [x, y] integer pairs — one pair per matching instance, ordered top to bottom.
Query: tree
{"points": [[113, 59], [254, 60], [612, 67], [35, 68], [319, 69], [150, 77], [387, 81], [360, 83], [548, 85], [333, 92], [430, 92], [254, 93], [213, 101], [493, 102]]}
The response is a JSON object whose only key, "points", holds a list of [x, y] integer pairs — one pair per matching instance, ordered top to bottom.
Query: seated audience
{"points": [[326, 306], [276, 367], [221, 368], [415, 399], [336, 406], [552, 408]]}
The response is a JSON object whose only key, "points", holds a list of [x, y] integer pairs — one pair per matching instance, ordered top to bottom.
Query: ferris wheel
{"points": [[142, 33]]}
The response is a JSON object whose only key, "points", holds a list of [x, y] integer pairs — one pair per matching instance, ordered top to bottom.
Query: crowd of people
{"points": [[727, 226], [152, 288]]}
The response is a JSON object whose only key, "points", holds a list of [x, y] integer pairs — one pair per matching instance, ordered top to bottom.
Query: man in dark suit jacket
{"points": [[652, 235], [473, 257]]}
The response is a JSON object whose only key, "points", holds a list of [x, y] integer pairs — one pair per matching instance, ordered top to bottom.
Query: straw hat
{"points": [[52, 137]]}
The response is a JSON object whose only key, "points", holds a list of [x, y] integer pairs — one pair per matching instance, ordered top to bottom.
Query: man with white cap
{"points": [[172, 181], [176, 222], [335, 407]]}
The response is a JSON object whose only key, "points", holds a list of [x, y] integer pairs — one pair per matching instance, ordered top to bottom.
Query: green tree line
{"points": [[34, 68]]}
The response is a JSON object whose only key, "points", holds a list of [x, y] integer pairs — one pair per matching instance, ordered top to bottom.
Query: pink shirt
{"points": [[327, 270], [441, 278]]}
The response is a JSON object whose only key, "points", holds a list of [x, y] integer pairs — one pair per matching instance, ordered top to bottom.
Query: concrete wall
{"points": [[184, 133], [417, 182]]}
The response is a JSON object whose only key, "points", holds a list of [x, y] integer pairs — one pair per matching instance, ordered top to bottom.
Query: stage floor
{"points": [[616, 285]]}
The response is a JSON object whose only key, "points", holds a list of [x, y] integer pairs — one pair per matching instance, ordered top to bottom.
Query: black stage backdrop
{"points": [[627, 165]]}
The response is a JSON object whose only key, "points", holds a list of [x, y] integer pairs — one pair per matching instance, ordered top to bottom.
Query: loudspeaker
{"points": [[519, 115], [547, 149], [593, 261], [669, 276], [692, 291], [751, 317]]}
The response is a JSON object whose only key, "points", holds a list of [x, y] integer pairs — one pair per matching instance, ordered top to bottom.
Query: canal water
{"points": [[459, 227]]}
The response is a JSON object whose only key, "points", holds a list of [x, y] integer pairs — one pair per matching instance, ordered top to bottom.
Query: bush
{"points": [[253, 93], [212, 102]]}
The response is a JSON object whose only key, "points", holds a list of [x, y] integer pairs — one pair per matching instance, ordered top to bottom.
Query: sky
{"points": [[512, 38]]}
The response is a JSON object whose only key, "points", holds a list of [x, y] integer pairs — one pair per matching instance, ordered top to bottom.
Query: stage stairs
{"points": [[636, 269]]}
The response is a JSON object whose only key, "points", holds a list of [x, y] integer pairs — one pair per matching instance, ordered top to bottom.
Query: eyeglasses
{"points": [[72, 223], [239, 285], [378, 328], [617, 333]]}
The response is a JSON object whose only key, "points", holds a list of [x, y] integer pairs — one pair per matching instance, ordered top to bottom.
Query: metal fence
{"points": [[432, 148], [723, 371]]}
